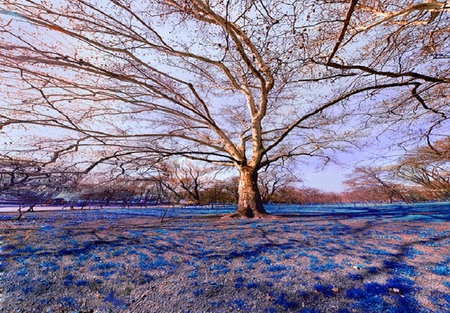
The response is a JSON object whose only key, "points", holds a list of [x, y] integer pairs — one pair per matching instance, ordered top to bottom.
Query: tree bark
{"points": [[249, 203]]}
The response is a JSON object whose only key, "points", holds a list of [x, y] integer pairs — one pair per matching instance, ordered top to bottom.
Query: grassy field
{"points": [[306, 259]]}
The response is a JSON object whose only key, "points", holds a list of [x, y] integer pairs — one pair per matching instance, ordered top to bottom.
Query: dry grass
{"points": [[112, 261]]}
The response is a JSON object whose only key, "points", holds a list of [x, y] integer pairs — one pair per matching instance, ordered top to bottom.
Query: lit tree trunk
{"points": [[249, 202]]}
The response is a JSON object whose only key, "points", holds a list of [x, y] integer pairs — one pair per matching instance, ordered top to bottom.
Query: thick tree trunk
{"points": [[249, 203]]}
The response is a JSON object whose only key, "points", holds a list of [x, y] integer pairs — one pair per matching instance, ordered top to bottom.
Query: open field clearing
{"points": [[307, 259]]}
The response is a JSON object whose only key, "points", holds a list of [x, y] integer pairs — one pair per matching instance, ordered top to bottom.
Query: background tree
{"points": [[241, 84], [429, 167], [192, 179], [185, 180], [26, 183], [271, 183], [375, 183], [231, 186], [120, 191], [219, 193], [305, 195]]}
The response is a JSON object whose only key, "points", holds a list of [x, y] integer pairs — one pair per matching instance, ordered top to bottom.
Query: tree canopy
{"points": [[242, 84]]}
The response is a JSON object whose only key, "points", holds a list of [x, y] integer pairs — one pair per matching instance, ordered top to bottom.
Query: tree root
{"points": [[257, 215]]}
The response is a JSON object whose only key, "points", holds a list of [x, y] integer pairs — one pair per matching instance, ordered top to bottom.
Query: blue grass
{"points": [[47, 228], [425, 234], [244, 244], [433, 244], [27, 250], [64, 252], [118, 252], [379, 252], [302, 253], [411, 253], [94, 257], [265, 260], [346, 262], [160, 263], [250, 264], [104, 266], [330, 266], [49, 267], [276, 268], [399, 268], [219, 269], [441, 270], [107, 274], [354, 276], [277, 277], [145, 278], [68, 279], [44, 282], [81, 282], [239, 282], [251, 285], [405, 285], [27, 289], [375, 289], [327, 290], [355, 293], [446, 297], [371, 299], [436, 299], [68, 302], [116, 302], [285, 303], [215, 304], [240, 304], [372, 304], [407, 304], [309, 310]]}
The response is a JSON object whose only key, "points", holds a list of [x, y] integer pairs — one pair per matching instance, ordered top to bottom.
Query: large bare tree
{"points": [[243, 84]]}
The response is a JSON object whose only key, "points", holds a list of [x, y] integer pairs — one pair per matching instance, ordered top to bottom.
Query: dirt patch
{"points": [[106, 261]]}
